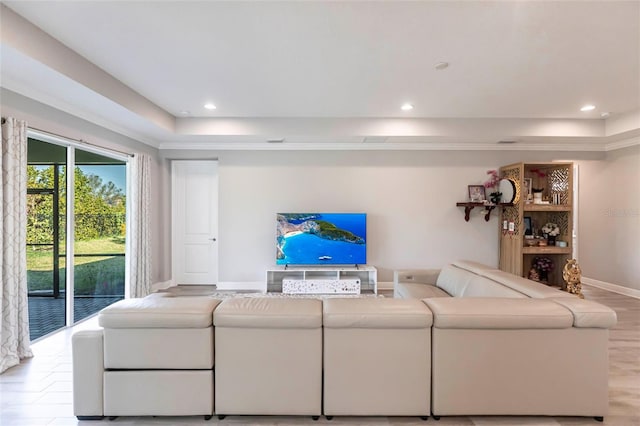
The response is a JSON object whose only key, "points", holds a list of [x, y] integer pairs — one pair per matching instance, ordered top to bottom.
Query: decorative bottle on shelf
{"points": [[537, 195]]}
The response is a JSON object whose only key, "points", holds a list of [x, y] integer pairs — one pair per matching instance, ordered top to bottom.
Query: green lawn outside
{"points": [[103, 275]]}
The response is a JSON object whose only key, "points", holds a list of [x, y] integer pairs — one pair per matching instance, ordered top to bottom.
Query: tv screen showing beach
{"points": [[321, 239]]}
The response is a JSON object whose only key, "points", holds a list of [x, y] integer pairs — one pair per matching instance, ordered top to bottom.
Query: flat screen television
{"points": [[321, 239]]}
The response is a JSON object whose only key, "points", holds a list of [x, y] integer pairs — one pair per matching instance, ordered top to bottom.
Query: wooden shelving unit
{"points": [[557, 181]]}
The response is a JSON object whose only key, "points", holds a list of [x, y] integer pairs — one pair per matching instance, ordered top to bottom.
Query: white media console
{"points": [[323, 279]]}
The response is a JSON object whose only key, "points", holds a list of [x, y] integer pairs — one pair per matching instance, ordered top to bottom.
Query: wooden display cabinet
{"points": [[556, 180]]}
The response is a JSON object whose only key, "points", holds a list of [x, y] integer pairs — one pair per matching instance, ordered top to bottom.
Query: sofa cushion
{"points": [[472, 266], [453, 280], [479, 286], [525, 286], [418, 291], [159, 312], [269, 313], [376, 313], [498, 313], [587, 313], [158, 348]]}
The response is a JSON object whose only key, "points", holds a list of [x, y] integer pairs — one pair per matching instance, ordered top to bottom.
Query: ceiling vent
{"points": [[275, 140], [507, 141]]}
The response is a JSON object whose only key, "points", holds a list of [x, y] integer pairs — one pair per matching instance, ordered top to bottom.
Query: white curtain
{"points": [[140, 278], [14, 311]]}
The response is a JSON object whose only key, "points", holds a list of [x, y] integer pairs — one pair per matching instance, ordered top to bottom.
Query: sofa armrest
{"points": [[416, 276], [589, 314], [88, 372]]}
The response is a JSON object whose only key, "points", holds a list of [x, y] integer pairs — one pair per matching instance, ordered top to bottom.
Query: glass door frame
{"points": [[71, 146], [55, 194]]}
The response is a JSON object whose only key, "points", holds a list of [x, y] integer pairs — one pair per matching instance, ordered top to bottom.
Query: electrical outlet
{"points": [[512, 226]]}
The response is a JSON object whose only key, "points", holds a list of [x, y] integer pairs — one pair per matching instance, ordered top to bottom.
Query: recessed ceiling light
{"points": [[442, 65], [209, 106], [406, 107], [588, 108], [185, 112], [605, 114]]}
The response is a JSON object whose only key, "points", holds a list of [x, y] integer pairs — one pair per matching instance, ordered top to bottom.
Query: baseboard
{"points": [[162, 285], [385, 285], [626, 291]]}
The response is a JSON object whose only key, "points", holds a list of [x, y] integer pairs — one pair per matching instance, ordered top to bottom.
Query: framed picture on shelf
{"points": [[528, 184], [476, 193], [528, 227]]}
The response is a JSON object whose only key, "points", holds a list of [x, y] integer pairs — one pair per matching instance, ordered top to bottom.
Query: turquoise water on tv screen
{"points": [[303, 248]]}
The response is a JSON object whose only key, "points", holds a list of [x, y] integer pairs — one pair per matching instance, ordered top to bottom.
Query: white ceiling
{"points": [[296, 61]]}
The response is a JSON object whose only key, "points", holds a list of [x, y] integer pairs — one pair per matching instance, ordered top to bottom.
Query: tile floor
{"points": [[39, 392]]}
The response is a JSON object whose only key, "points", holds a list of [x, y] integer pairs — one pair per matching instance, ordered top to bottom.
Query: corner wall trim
{"points": [[612, 146], [626, 291]]}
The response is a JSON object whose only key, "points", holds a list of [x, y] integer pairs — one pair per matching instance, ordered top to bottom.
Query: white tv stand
{"points": [[368, 275]]}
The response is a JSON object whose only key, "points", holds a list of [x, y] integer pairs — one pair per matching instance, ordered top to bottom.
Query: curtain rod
{"points": [[80, 141]]}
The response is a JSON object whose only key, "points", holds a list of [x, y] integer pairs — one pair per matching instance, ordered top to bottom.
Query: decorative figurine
{"points": [[533, 275], [571, 275]]}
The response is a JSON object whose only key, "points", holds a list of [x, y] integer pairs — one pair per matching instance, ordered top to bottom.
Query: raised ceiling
{"points": [[333, 72]]}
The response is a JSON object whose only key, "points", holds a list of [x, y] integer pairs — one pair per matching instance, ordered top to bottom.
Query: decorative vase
{"points": [[537, 198], [551, 240], [544, 276]]}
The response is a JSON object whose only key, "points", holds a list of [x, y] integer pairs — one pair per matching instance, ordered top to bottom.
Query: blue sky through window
{"points": [[115, 173]]}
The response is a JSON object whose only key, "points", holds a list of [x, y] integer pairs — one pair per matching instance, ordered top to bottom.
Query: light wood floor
{"points": [[38, 391]]}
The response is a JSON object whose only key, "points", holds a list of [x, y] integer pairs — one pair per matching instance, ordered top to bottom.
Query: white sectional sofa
{"points": [[463, 340]]}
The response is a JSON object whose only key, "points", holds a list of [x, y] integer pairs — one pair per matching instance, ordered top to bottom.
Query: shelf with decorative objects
{"points": [[546, 208], [541, 240], [547, 250]]}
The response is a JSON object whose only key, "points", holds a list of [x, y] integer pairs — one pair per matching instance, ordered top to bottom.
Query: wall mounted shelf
{"points": [[468, 206]]}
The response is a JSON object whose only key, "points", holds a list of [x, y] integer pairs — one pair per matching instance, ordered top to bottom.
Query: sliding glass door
{"points": [[46, 212], [100, 228], [95, 250]]}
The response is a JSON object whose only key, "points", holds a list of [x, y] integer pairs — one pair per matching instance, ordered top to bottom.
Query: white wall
{"points": [[45, 118], [409, 197], [609, 223]]}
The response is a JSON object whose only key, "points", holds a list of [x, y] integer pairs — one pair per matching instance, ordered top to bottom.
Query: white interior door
{"points": [[194, 201]]}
